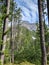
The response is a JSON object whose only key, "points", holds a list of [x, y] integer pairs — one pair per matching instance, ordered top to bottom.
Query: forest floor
{"points": [[23, 63]]}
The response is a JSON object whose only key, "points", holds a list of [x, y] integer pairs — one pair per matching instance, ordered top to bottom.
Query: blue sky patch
{"points": [[29, 10]]}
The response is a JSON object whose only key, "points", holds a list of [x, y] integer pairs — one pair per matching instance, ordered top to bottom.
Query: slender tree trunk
{"points": [[48, 10], [5, 28], [42, 37], [12, 42]]}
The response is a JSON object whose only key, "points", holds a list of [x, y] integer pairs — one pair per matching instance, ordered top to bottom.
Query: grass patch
{"points": [[23, 63]]}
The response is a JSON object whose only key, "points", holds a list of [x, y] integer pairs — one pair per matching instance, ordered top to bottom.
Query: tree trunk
{"points": [[48, 10], [5, 28], [42, 37], [12, 41]]}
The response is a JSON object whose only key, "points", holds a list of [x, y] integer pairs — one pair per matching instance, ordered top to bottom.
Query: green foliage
{"points": [[26, 49], [29, 49], [0, 62], [22, 63]]}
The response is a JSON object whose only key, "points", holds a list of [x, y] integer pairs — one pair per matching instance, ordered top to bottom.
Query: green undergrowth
{"points": [[23, 63]]}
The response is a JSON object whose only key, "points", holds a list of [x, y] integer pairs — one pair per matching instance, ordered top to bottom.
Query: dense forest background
{"points": [[21, 42]]}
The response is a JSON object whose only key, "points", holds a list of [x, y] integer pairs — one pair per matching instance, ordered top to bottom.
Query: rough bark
{"points": [[5, 28], [42, 37]]}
